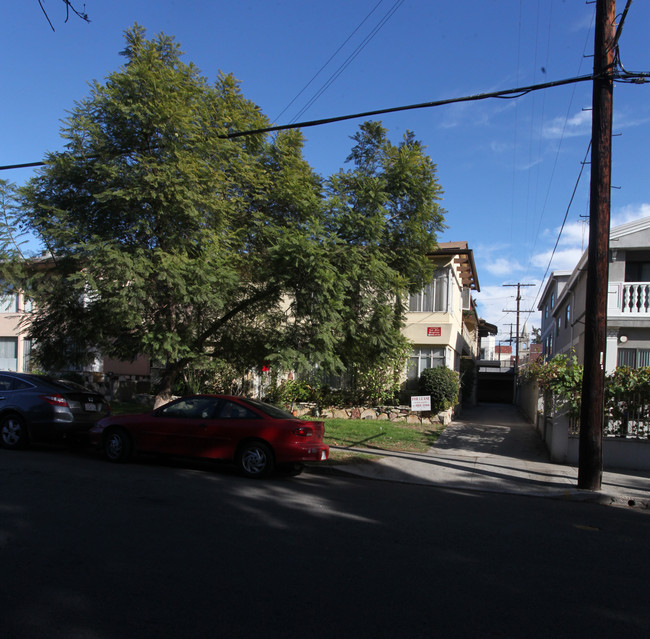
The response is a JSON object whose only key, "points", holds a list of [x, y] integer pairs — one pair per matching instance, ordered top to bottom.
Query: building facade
{"points": [[628, 302], [441, 321], [15, 349]]}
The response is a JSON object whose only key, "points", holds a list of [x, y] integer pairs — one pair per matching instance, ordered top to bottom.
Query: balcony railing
{"points": [[630, 299]]}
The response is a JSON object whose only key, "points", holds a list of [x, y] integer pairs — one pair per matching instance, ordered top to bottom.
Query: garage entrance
{"points": [[495, 384]]}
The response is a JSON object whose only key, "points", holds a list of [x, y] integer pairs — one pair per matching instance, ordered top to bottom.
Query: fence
{"points": [[626, 430]]}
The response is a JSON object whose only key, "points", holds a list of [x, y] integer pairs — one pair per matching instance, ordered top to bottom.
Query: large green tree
{"points": [[384, 212], [170, 240]]}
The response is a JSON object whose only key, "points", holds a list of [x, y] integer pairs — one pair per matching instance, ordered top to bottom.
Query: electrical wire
{"points": [[350, 58], [330, 59], [509, 94], [566, 215]]}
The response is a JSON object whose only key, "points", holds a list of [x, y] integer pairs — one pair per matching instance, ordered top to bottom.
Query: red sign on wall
{"points": [[434, 331]]}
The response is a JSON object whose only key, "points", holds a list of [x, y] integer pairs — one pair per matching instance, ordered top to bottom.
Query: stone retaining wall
{"points": [[382, 413]]}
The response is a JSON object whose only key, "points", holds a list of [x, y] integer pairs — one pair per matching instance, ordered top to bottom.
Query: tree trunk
{"points": [[167, 379]]}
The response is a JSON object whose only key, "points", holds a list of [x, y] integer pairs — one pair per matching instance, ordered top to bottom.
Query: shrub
{"points": [[442, 384], [291, 391], [627, 393]]}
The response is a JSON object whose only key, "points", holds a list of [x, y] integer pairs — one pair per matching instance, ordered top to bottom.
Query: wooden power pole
{"points": [[590, 465]]}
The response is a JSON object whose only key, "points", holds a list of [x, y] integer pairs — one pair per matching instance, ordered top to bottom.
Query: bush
{"points": [[561, 379], [442, 384], [290, 392], [627, 393]]}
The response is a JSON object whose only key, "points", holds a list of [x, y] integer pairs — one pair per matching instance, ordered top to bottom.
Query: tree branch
{"points": [[68, 6]]}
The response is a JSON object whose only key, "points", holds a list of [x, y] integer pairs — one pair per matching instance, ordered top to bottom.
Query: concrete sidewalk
{"points": [[492, 448]]}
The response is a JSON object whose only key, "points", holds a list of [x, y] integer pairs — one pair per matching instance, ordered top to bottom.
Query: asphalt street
{"points": [[184, 549]]}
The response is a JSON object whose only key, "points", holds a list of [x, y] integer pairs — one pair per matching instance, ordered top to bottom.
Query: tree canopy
{"points": [[167, 239]]}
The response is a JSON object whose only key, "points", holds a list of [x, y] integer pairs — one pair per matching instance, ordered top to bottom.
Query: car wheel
{"points": [[13, 432], [117, 445], [255, 459], [291, 470]]}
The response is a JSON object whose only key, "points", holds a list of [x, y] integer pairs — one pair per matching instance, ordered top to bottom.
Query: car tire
{"points": [[13, 432], [118, 446], [255, 459], [291, 470]]}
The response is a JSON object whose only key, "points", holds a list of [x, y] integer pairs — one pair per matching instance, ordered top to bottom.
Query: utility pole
{"points": [[518, 311], [590, 464]]}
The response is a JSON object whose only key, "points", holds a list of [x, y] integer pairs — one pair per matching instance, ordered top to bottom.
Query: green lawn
{"points": [[377, 435]]}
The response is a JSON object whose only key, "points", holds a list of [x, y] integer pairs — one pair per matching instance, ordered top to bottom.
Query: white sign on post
{"points": [[421, 402]]}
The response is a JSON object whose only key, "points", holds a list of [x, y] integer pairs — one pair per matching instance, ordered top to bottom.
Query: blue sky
{"points": [[508, 168]]}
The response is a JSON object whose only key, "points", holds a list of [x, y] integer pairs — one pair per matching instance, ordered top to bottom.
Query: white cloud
{"points": [[578, 124], [630, 213], [563, 260], [502, 266]]}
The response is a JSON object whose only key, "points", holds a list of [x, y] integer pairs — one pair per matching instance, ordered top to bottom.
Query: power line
{"points": [[351, 58], [330, 59], [504, 94], [566, 214]]}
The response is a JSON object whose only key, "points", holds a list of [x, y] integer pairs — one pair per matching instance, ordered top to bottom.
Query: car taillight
{"points": [[55, 400], [304, 431]]}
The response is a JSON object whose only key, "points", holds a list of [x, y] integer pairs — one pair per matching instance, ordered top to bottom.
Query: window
{"points": [[637, 271], [433, 297], [467, 299], [552, 299], [8, 303], [546, 311], [567, 316], [559, 323], [549, 347], [9, 353], [27, 354], [626, 357], [633, 358], [420, 359], [191, 408], [230, 410]]}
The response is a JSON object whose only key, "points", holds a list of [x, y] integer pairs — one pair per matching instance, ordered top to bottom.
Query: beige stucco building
{"points": [[441, 321]]}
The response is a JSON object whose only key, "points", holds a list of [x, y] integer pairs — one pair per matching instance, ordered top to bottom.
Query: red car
{"points": [[256, 436]]}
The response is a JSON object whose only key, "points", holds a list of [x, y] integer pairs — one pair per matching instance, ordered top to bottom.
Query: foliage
{"points": [[384, 213], [12, 229], [168, 239], [207, 375], [467, 378], [376, 379], [560, 380], [442, 384], [290, 391], [627, 394]]}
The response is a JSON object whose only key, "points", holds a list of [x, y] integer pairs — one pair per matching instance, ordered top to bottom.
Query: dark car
{"points": [[41, 408], [258, 437]]}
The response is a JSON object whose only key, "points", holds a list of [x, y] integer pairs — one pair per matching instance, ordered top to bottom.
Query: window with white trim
{"points": [[434, 296], [9, 303], [9, 353], [422, 358]]}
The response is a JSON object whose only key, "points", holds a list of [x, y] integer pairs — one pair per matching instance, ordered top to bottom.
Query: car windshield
{"points": [[269, 409]]}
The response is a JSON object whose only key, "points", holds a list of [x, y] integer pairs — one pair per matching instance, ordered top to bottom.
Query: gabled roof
{"points": [[630, 228], [463, 260], [555, 276]]}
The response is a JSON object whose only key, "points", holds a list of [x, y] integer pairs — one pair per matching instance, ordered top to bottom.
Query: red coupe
{"points": [[256, 436]]}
